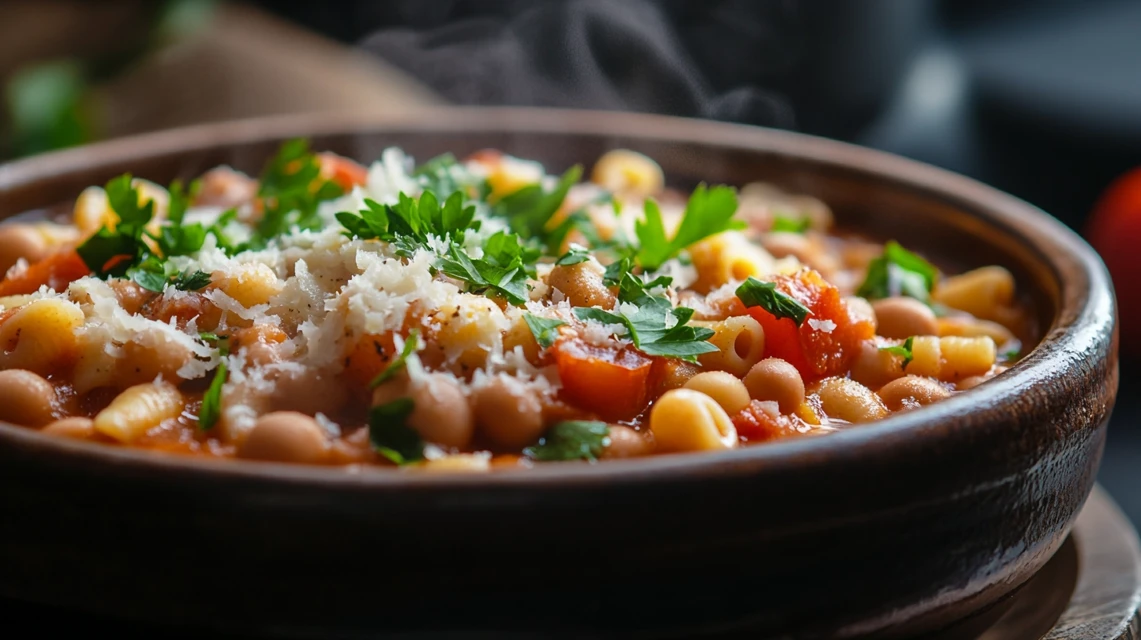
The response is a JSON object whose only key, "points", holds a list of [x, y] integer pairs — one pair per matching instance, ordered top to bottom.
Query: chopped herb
{"points": [[443, 174], [290, 191], [529, 209], [709, 212], [411, 220], [785, 224], [113, 252], [576, 255], [504, 269], [898, 272], [149, 280], [191, 281], [754, 293], [652, 323], [545, 330], [411, 345], [903, 350], [1011, 354], [212, 401], [390, 435], [571, 440]]}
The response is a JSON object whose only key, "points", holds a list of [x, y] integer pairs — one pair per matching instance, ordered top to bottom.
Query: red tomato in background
{"points": [[1114, 230]]}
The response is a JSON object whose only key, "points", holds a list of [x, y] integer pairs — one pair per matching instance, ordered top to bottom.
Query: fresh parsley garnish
{"points": [[443, 174], [289, 192], [529, 209], [709, 212], [411, 221], [786, 224], [110, 252], [576, 255], [503, 270], [898, 272], [191, 281], [754, 293], [651, 322], [545, 330], [411, 345], [903, 350], [1011, 354], [212, 400], [390, 435], [571, 440]]}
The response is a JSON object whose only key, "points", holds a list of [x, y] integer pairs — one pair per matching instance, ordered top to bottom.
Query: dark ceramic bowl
{"points": [[911, 524]]}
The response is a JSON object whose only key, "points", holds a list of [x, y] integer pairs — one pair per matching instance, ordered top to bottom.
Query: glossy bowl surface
{"points": [[892, 528]]}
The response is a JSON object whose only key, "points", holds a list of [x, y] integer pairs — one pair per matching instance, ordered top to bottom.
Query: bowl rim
{"points": [[1085, 313]]}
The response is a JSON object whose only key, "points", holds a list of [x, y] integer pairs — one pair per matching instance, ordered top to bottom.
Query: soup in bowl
{"points": [[776, 384]]}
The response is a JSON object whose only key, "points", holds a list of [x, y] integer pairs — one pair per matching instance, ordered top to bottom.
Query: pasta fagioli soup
{"points": [[472, 314]]}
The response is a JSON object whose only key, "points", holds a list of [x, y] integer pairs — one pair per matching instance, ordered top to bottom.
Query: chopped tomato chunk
{"points": [[344, 172], [56, 271], [828, 339], [369, 357], [613, 383], [762, 421]]}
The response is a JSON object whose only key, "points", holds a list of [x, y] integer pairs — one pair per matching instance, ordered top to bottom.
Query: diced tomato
{"points": [[341, 170], [56, 271], [820, 351], [370, 356], [613, 383], [761, 423]]}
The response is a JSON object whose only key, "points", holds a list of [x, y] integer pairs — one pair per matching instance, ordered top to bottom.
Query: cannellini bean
{"points": [[20, 241], [582, 284], [904, 317], [776, 380], [725, 389], [912, 391], [26, 399], [849, 400], [507, 412], [441, 413], [688, 420], [78, 427], [286, 436], [627, 443]]}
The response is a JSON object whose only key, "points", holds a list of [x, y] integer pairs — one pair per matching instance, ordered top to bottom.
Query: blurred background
{"points": [[1041, 98]]}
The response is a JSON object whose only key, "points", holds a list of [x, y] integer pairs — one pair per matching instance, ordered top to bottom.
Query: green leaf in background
{"points": [[47, 110]]}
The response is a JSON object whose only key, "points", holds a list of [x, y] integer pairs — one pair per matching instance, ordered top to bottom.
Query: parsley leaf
{"points": [[443, 174], [290, 191], [529, 209], [709, 212], [411, 221], [785, 224], [112, 252], [576, 255], [504, 269], [898, 272], [191, 281], [754, 293], [652, 323], [545, 330], [411, 345], [903, 350], [1011, 354], [212, 401], [390, 435], [571, 440]]}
